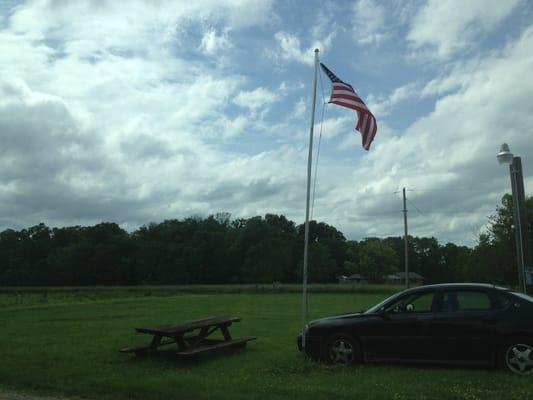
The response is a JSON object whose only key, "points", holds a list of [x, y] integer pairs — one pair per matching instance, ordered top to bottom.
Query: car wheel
{"points": [[342, 349], [517, 355]]}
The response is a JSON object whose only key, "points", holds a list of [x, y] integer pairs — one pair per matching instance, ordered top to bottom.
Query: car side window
{"points": [[465, 300], [499, 301], [420, 303]]}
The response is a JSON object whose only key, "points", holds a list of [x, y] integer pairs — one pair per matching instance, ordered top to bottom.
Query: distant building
{"points": [[354, 278], [399, 278], [392, 279]]}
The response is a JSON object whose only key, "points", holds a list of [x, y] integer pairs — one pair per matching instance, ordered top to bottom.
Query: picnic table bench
{"points": [[191, 337]]}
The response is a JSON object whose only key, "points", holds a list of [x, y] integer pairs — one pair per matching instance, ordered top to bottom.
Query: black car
{"points": [[474, 324]]}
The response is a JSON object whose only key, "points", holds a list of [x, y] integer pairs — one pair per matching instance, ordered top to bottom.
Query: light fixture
{"points": [[505, 156]]}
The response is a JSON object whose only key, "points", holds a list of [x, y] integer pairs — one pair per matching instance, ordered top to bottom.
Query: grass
{"points": [[69, 345]]}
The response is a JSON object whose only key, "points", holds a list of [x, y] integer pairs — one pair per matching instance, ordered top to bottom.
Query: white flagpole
{"points": [[306, 243]]}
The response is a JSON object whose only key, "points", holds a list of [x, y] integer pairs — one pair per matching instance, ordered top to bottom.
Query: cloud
{"points": [[370, 22], [445, 27], [212, 43], [291, 49], [256, 99], [382, 105], [300, 109], [97, 112], [335, 126], [228, 127], [48, 164]]}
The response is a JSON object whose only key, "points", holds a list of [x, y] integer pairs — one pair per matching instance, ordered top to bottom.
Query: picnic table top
{"points": [[189, 325]]}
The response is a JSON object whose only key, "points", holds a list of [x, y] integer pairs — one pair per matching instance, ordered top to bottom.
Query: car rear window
{"points": [[465, 301], [500, 301]]}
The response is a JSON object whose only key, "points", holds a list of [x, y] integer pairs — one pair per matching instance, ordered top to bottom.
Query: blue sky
{"points": [[139, 111]]}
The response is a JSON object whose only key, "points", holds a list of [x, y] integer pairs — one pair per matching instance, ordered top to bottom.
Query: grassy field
{"points": [[66, 341]]}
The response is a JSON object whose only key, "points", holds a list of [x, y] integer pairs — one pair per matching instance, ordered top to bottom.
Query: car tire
{"points": [[343, 349], [516, 355]]}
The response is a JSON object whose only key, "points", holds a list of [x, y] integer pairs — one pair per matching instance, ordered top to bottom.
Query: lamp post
{"points": [[520, 217]]}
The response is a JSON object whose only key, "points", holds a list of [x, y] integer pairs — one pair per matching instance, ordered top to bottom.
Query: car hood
{"points": [[338, 319]]}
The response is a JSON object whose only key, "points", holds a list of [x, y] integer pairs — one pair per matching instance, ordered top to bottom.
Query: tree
{"points": [[333, 240], [264, 248], [258, 249], [494, 257], [426, 258], [376, 259], [267, 261], [454, 262], [351, 263], [321, 265]]}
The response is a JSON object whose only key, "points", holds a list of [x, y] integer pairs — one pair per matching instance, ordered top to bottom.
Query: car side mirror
{"points": [[383, 314]]}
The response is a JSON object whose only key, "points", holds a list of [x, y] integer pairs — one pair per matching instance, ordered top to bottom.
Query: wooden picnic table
{"points": [[191, 337]]}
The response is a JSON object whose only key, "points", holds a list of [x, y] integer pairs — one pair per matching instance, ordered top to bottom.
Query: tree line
{"points": [[260, 249]]}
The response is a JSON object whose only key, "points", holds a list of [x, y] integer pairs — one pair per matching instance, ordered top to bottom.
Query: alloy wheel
{"points": [[342, 351], [519, 358]]}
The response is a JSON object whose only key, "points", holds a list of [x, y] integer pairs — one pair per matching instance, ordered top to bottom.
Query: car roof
{"points": [[456, 286]]}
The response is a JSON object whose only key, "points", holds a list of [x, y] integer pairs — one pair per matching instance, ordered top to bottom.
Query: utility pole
{"points": [[521, 229], [406, 248], [523, 256]]}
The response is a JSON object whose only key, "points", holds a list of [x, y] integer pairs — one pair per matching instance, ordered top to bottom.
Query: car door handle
{"points": [[490, 321]]}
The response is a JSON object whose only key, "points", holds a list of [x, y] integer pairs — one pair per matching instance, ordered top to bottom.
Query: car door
{"points": [[465, 328], [401, 331]]}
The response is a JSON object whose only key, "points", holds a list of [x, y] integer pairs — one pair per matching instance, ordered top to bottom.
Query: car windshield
{"points": [[523, 296], [378, 306]]}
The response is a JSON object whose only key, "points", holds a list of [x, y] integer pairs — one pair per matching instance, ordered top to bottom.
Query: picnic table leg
{"points": [[203, 333], [225, 333], [156, 341], [182, 344], [143, 351]]}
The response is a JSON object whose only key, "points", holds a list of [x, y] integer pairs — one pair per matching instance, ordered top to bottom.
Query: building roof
{"points": [[412, 275], [356, 276], [394, 277]]}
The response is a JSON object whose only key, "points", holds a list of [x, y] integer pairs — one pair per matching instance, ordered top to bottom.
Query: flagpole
{"points": [[306, 243]]}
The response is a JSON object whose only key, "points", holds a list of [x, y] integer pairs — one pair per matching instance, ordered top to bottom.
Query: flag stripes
{"points": [[344, 95]]}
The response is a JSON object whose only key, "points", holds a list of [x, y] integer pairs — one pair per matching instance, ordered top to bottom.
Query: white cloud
{"points": [[58, 17], [369, 22], [445, 27], [212, 42], [290, 47], [256, 99], [382, 105], [299, 109], [97, 111], [335, 126], [229, 127]]}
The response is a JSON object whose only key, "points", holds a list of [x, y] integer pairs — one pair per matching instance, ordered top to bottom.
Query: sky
{"points": [[140, 111]]}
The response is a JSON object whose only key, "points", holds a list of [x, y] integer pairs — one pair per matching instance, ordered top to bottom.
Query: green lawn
{"points": [[71, 348]]}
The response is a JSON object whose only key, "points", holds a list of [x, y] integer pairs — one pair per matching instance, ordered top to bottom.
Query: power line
{"points": [[413, 204]]}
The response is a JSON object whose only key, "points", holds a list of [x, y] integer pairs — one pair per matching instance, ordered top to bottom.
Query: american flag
{"points": [[344, 95]]}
